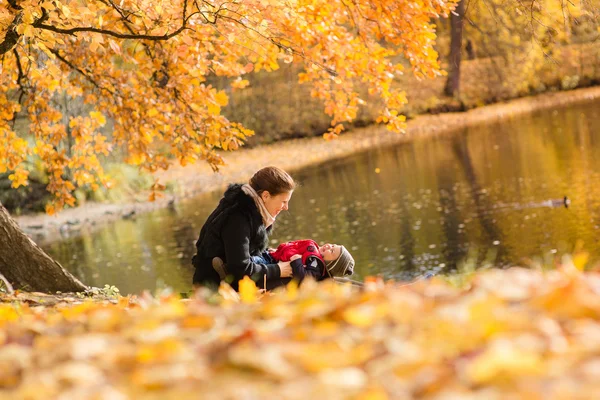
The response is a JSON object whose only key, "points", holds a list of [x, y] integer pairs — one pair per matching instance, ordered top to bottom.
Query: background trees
{"points": [[519, 39]]}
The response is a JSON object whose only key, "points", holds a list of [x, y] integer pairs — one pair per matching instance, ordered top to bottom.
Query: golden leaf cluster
{"points": [[143, 68], [517, 333]]}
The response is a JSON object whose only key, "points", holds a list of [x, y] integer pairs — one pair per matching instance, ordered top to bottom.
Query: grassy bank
{"points": [[513, 333]]}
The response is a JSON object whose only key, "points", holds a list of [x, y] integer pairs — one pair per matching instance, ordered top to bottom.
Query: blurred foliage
{"points": [[126, 183], [31, 198], [516, 333]]}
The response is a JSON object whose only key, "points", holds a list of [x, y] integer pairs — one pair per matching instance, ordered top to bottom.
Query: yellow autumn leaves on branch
{"points": [[146, 67]]}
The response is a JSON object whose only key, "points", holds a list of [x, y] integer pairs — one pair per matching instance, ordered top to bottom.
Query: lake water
{"points": [[483, 194]]}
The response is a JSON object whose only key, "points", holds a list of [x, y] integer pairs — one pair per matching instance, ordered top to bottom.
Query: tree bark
{"points": [[456, 32], [26, 266]]}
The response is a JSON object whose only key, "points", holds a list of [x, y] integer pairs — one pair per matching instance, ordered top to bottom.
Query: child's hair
{"points": [[272, 179], [341, 266]]}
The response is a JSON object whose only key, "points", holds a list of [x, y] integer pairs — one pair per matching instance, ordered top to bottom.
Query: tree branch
{"points": [[13, 4], [119, 10], [126, 22], [73, 31], [12, 37], [270, 39], [19, 68], [82, 72], [19, 77], [190, 109]]}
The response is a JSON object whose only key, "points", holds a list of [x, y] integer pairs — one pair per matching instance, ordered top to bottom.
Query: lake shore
{"points": [[291, 155]]}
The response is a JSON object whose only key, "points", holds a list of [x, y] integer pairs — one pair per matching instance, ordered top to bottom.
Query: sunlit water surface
{"points": [[430, 205]]}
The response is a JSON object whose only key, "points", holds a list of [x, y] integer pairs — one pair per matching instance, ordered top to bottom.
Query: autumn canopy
{"points": [[143, 69]]}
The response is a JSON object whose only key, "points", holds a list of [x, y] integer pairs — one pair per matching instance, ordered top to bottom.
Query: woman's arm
{"points": [[236, 239]]}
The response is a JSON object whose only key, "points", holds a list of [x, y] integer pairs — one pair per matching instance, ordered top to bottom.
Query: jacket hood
{"points": [[233, 190], [235, 195]]}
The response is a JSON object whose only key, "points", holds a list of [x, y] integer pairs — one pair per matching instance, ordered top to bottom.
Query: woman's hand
{"points": [[295, 257], [285, 269]]}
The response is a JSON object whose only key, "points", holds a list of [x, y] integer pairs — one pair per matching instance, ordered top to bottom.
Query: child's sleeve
{"points": [[312, 268]]}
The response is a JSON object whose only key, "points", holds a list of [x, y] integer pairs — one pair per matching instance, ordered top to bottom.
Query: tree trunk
{"points": [[456, 33], [26, 266]]}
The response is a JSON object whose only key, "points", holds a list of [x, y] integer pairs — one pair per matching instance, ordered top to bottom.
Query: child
{"points": [[306, 259]]}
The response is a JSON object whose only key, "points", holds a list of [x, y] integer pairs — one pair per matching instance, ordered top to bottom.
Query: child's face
{"points": [[330, 252]]}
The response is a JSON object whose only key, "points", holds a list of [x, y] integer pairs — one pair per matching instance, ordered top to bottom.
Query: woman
{"points": [[238, 230]]}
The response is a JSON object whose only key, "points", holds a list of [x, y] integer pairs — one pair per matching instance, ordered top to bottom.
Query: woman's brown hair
{"points": [[272, 179]]}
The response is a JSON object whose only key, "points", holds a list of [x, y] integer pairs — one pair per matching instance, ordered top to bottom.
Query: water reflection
{"points": [[401, 211]]}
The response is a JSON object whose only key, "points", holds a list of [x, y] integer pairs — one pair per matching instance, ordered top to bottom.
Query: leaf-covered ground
{"points": [[508, 334]]}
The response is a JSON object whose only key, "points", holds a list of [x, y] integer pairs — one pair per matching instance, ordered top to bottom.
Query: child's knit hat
{"points": [[343, 265]]}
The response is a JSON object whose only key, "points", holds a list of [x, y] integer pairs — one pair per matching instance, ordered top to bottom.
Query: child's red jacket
{"points": [[304, 247], [312, 261]]}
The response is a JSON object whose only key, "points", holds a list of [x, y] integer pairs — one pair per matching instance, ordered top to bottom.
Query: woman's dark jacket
{"points": [[234, 232]]}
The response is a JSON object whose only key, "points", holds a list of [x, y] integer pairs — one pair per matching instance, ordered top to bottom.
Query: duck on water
{"points": [[564, 202], [552, 203]]}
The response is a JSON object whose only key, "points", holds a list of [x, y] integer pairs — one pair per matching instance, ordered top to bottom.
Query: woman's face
{"points": [[276, 204]]}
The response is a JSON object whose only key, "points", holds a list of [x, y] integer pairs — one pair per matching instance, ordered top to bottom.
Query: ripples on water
{"points": [[422, 206]]}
